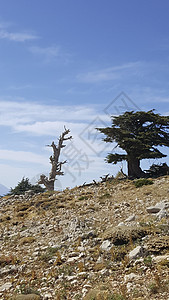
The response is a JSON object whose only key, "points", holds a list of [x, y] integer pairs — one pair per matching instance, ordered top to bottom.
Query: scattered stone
{"points": [[163, 204], [153, 209], [162, 214], [130, 219], [121, 224], [106, 245], [74, 249], [136, 252], [160, 258], [72, 259], [130, 277], [5, 286], [98, 293], [48, 296], [26, 297]]}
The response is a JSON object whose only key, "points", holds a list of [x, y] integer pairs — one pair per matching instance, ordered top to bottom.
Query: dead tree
{"points": [[54, 160], [104, 178]]}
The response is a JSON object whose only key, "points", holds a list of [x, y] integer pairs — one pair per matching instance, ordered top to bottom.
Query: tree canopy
{"points": [[140, 134]]}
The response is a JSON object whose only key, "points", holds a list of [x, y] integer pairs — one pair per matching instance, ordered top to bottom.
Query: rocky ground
{"points": [[105, 241]]}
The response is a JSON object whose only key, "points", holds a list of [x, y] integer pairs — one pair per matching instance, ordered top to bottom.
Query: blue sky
{"points": [[74, 63]]}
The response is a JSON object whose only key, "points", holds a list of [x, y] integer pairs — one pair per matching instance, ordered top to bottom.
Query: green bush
{"points": [[142, 181], [23, 186]]}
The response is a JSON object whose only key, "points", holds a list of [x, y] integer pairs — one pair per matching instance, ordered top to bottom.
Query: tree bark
{"points": [[54, 160], [134, 170], [48, 183]]}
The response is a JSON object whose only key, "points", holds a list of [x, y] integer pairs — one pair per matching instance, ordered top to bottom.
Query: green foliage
{"points": [[139, 134], [142, 181], [23, 186], [106, 195], [83, 198], [50, 252], [148, 261], [153, 287], [26, 289], [116, 297]]}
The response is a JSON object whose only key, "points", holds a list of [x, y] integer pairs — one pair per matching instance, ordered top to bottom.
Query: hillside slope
{"points": [[105, 241]]}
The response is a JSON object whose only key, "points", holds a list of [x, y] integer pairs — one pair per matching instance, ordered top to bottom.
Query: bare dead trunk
{"points": [[54, 160], [48, 183]]}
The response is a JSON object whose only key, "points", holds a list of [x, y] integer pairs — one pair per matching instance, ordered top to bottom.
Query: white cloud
{"points": [[4, 25], [16, 36], [50, 53], [108, 73], [20, 87], [36, 119], [45, 119], [22, 156]]}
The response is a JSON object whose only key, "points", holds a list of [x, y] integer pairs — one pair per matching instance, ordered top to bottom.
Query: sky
{"points": [[75, 63]]}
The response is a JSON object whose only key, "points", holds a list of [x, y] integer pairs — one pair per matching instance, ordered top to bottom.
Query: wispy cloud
{"points": [[16, 36], [50, 53], [106, 74], [20, 87], [44, 119], [30, 121], [25, 156]]}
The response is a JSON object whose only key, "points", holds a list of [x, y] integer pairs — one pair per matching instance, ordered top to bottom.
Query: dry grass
{"points": [[53, 227]]}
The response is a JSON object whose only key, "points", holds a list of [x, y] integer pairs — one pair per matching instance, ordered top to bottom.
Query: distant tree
{"points": [[139, 134], [54, 160], [23, 186]]}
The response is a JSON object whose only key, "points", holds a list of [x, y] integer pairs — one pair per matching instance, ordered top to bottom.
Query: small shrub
{"points": [[142, 181], [23, 186], [106, 195], [83, 198], [27, 240], [50, 252], [8, 260], [148, 261], [165, 262], [153, 287], [26, 289], [103, 293], [116, 297]]}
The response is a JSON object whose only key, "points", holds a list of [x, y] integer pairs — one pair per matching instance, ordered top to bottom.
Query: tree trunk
{"points": [[54, 160], [134, 170], [50, 185]]}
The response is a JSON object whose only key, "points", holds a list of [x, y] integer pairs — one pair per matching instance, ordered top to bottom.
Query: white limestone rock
{"points": [[163, 204], [153, 209], [162, 214], [131, 218], [106, 245], [136, 252], [159, 258], [130, 277], [5, 286]]}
